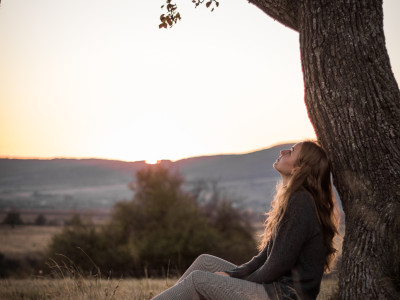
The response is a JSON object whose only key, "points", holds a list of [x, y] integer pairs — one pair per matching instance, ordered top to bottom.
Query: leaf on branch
{"points": [[172, 16]]}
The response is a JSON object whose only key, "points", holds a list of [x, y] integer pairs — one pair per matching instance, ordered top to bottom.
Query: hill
{"points": [[98, 183]]}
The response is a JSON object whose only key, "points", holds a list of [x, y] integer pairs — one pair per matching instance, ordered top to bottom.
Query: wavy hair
{"points": [[312, 174]]}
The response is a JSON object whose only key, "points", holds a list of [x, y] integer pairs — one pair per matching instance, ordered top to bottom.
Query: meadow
{"points": [[25, 240], [30, 241], [80, 289], [123, 289]]}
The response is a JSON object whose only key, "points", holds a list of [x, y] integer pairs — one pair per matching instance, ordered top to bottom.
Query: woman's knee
{"points": [[204, 257], [197, 277]]}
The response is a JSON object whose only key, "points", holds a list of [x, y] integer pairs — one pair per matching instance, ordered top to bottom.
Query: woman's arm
{"points": [[296, 227], [246, 269]]}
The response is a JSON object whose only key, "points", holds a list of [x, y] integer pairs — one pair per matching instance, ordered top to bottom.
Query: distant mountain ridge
{"points": [[91, 183]]}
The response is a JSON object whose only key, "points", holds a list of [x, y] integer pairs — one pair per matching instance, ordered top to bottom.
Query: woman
{"points": [[296, 247]]}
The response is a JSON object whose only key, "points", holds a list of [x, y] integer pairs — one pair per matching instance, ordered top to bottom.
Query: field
{"points": [[25, 241], [30, 241], [39, 288], [84, 289]]}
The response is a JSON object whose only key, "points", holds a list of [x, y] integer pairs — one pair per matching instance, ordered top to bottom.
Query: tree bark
{"points": [[284, 11], [353, 102]]}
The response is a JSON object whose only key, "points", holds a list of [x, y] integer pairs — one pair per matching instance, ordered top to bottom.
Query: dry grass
{"points": [[25, 241], [82, 288], [86, 289], [329, 289]]}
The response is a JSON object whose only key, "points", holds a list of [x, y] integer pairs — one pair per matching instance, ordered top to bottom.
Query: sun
{"points": [[151, 161]]}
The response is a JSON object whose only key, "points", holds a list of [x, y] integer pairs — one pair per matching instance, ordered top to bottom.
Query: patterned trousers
{"points": [[199, 282]]}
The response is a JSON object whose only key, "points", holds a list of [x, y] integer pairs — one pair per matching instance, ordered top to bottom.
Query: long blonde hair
{"points": [[312, 174]]}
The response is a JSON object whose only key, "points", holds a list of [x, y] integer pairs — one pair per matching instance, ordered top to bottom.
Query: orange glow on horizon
{"points": [[152, 161]]}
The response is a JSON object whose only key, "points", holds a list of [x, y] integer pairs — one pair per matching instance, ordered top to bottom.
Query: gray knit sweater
{"points": [[292, 262]]}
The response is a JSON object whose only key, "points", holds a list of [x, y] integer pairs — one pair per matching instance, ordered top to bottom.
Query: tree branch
{"points": [[284, 11]]}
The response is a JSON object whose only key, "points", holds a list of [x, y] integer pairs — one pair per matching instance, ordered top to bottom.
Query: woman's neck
{"points": [[285, 180]]}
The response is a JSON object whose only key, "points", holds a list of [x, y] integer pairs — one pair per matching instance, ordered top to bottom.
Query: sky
{"points": [[99, 79]]}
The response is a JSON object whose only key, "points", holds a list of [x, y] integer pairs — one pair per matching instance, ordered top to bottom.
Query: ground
{"points": [[30, 241]]}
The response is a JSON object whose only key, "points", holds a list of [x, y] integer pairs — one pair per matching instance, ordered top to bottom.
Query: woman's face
{"points": [[287, 159]]}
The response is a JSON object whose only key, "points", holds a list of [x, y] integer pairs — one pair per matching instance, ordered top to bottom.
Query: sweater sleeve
{"points": [[294, 230], [246, 269]]}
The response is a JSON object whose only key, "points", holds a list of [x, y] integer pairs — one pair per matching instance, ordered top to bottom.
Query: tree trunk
{"points": [[353, 102]]}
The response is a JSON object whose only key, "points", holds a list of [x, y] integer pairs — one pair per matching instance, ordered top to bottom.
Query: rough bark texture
{"points": [[284, 11], [353, 102]]}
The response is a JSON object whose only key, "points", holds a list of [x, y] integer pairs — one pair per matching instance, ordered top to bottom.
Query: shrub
{"points": [[13, 219], [40, 220], [162, 227]]}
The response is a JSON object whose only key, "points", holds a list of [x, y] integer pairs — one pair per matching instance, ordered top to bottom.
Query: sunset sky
{"points": [[86, 78]]}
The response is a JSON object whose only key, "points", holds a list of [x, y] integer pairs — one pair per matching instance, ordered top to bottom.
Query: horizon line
{"points": [[144, 160]]}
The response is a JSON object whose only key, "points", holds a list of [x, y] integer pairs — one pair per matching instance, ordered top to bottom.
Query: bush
{"points": [[13, 219], [40, 220], [162, 227], [20, 268]]}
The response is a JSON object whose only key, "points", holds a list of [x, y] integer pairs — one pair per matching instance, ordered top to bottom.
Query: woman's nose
{"points": [[283, 152]]}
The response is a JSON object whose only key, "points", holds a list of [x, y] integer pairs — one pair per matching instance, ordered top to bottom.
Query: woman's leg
{"points": [[210, 263], [206, 285]]}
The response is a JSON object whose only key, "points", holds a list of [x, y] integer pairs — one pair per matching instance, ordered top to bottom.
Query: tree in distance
{"points": [[13, 219], [40, 220], [169, 227], [162, 229]]}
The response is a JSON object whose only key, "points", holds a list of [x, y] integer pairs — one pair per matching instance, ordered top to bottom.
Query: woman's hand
{"points": [[222, 274]]}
